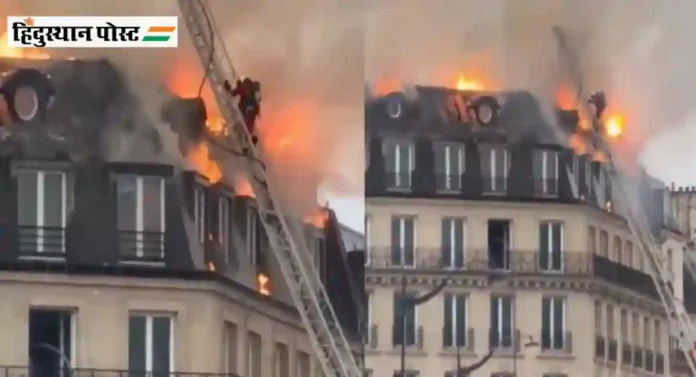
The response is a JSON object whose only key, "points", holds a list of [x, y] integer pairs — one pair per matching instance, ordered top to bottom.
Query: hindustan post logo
{"points": [[92, 32]]}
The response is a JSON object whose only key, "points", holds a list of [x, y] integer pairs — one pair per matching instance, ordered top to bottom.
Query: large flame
{"points": [[19, 53], [464, 83], [614, 125], [200, 158], [318, 218]]}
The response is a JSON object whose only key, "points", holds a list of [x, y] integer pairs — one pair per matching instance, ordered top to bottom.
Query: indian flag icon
{"points": [[159, 33]]}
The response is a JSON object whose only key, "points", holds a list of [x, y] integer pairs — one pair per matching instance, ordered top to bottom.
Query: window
{"points": [[400, 162], [495, 162], [449, 166], [545, 169], [588, 178], [574, 179], [44, 200], [199, 211], [141, 218], [225, 227], [251, 234], [368, 240], [592, 240], [403, 241], [453, 241], [603, 243], [551, 246], [617, 248], [629, 254], [368, 318], [405, 319], [501, 321], [610, 322], [553, 323], [599, 325], [624, 326], [635, 329], [454, 331], [658, 336], [647, 342], [151, 344], [230, 348], [254, 350], [282, 360], [303, 364]]}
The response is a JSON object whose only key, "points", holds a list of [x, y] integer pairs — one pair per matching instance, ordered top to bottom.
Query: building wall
{"points": [[579, 222], [102, 305]]}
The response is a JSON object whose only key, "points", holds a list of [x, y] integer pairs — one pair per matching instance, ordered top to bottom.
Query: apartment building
{"points": [[523, 236], [140, 268]]}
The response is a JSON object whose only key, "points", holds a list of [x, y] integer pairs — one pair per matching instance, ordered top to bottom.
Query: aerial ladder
{"points": [[285, 234], [680, 324]]}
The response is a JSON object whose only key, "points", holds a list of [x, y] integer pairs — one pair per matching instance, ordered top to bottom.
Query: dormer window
{"points": [[394, 108], [400, 160], [449, 166], [495, 166], [545, 166], [44, 201], [141, 217]]}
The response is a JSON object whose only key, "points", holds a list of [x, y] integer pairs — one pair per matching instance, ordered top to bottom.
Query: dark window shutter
{"points": [[396, 240], [447, 242], [459, 243], [556, 245], [409, 246], [544, 246], [460, 305], [546, 323], [161, 329], [447, 340], [136, 345]]}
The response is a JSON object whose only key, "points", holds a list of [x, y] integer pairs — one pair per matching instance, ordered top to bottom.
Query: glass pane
{"points": [[27, 182], [126, 197], [53, 200], [152, 206], [161, 328], [136, 346]]}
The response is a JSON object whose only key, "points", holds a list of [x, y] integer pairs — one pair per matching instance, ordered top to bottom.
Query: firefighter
{"points": [[249, 93]]}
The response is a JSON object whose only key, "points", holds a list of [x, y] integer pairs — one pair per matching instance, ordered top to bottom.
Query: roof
{"points": [[440, 112], [352, 239]]}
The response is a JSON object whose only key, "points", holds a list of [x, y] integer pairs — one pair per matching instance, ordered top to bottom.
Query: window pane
{"points": [[27, 182], [126, 192], [53, 200], [152, 207], [161, 327], [447, 331], [136, 345]]}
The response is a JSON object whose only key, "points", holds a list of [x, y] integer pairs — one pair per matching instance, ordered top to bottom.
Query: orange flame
{"points": [[19, 53], [464, 83], [383, 87], [566, 99], [614, 125], [578, 144], [199, 156], [242, 187], [318, 218], [263, 282]]}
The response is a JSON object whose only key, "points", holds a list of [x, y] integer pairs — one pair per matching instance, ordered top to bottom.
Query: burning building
{"points": [[510, 206], [118, 257]]}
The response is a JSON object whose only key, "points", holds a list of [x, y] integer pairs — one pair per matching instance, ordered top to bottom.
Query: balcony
{"points": [[448, 183], [546, 187], [43, 241], [141, 246], [521, 262], [504, 338], [556, 342], [15, 371]]}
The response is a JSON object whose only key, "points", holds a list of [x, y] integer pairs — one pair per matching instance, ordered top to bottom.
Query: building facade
{"points": [[525, 235], [140, 268]]}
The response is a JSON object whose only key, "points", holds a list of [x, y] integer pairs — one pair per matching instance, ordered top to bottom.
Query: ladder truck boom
{"points": [[285, 233], [680, 323]]}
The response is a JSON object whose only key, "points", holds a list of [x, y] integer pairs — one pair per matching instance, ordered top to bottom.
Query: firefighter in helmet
{"points": [[249, 93]]}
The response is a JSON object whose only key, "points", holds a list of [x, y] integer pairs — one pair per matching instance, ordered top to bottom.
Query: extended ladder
{"points": [[285, 236], [679, 322]]}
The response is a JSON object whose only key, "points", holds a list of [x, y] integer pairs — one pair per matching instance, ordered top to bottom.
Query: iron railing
{"points": [[41, 240], [141, 246], [566, 263], [25, 371]]}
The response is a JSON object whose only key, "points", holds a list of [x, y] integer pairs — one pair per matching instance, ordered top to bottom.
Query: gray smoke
{"points": [[635, 50], [306, 51]]}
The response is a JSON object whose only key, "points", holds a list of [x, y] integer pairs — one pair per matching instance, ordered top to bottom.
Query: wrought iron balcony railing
{"points": [[41, 240], [141, 246], [529, 262], [25, 371]]}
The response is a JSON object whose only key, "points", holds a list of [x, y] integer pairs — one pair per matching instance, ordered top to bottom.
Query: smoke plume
{"points": [[635, 50], [307, 55]]}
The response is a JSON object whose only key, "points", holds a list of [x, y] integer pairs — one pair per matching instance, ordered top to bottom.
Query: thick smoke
{"points": [[635, 50], [306, 53]]}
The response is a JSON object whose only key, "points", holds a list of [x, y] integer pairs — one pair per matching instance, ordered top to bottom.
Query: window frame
{"points": [[544, 158], [446, 165], [394, 167], [67, 200], [199, 210], [140, 212], [451, 223], [550, 224], [252, 234], [403, 237], [400, 296], [553, 303], [454, 316], [500, 336], [149, 351]]}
